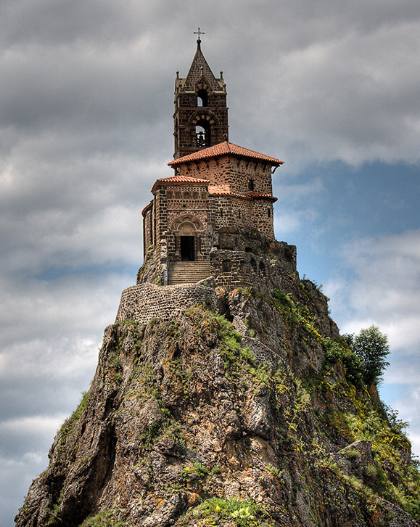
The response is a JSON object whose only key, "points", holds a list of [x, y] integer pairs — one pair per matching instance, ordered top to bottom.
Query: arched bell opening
{"points": [[202, 134]]}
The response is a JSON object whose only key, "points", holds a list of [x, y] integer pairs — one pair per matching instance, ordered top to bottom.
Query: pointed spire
{"points": [[200, 69]]}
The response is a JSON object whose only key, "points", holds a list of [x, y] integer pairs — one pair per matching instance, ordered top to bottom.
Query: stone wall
{"points": [[217, 170], [243, 170], [231, 171], [262, 217], [147, 229], [239, 268], [147, 301]]}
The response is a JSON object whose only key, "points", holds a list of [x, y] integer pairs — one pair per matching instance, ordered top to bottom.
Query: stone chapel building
{"points": [[214, 215]]}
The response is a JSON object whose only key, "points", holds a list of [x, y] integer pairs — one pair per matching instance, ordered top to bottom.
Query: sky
{"points": [[86, 99]]}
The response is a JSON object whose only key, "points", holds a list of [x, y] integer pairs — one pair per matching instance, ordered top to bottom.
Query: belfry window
{"points": [[202, 98], [202, 135], [251, 184]]}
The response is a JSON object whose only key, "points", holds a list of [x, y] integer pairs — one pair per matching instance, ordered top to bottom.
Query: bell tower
{"points": [[201, 114]]}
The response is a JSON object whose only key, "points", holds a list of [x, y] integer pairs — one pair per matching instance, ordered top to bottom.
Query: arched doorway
{"points": [[187, 241]]}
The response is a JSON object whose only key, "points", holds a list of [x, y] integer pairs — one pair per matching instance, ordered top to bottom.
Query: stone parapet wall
{"points": [[236, 268], [147, 301]]}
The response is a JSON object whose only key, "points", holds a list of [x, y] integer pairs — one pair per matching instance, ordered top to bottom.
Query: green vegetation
{"points": [[296, 313], [371, 347], [336, 350], [363, 358], [237, 359], [116, 365], [241, 365], [183, 375], [361, 418], [69, 423], [165, 425], [352, 453], [198, 470], [274, 471], [392, 475], [398, 479], [241, 513], [54, 515], [107, 518]]}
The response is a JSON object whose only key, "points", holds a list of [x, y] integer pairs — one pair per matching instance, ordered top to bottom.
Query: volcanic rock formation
{"points": [[246, 410]]}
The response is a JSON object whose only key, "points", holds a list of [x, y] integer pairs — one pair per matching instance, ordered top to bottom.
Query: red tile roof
{"points": [[225, 148], [179, 180]]}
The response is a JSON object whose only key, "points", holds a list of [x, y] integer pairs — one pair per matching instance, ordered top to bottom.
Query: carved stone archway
{"points": [[187, 230]]}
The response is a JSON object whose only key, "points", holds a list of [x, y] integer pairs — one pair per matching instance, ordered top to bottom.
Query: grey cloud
{"points": [[86, 126], [384, 290], [16, 475]]}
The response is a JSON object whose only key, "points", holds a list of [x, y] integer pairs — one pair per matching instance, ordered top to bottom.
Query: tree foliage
{"points": [[371, 345]]}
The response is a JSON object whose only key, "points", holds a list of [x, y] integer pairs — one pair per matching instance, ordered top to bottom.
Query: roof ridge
{"points": [[223, 148]]}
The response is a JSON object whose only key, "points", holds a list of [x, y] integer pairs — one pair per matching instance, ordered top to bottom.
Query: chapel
{"points": [[214, 215]]}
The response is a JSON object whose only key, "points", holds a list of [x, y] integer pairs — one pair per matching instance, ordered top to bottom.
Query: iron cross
{"points": [[199, 33]]}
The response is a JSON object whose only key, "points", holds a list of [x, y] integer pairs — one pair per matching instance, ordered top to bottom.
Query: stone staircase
{"points": [[188, 272]]}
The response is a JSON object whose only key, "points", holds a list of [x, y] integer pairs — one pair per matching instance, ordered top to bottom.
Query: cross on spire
{"points": [[199, 33]]}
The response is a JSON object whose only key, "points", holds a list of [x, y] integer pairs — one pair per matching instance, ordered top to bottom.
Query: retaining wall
{"points": [[144, 302]]}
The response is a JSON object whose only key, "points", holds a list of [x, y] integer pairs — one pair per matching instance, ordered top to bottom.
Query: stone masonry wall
{"points": [[215, 170], [243, 170], [232, 172], [262, 217], [147, 230], [235, 268], [147, 301]]}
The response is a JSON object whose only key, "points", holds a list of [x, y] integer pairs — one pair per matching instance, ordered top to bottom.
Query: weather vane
{"points": [[199, 33]]}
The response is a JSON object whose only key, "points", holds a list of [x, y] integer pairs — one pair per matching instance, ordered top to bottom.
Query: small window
{"points": [[251, 184], [269, 213], [253, 264], [226, 267]]}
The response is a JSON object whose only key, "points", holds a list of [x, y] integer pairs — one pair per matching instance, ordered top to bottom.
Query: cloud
{"points": [[86, 127], [387, 284], [383, 288]]}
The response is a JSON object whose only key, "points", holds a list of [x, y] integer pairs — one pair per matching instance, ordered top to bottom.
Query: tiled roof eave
{"points": [[225, 149], [173, 181]]}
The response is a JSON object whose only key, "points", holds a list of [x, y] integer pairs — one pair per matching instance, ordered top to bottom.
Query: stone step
{"points": [[190, 266], [188, 272]]}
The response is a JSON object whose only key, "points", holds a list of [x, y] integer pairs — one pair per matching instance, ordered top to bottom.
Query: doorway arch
{"points": [[187, 230], [187, 241]]}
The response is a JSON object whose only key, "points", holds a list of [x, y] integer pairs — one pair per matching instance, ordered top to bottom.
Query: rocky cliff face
{"points": [[251, 415]]}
